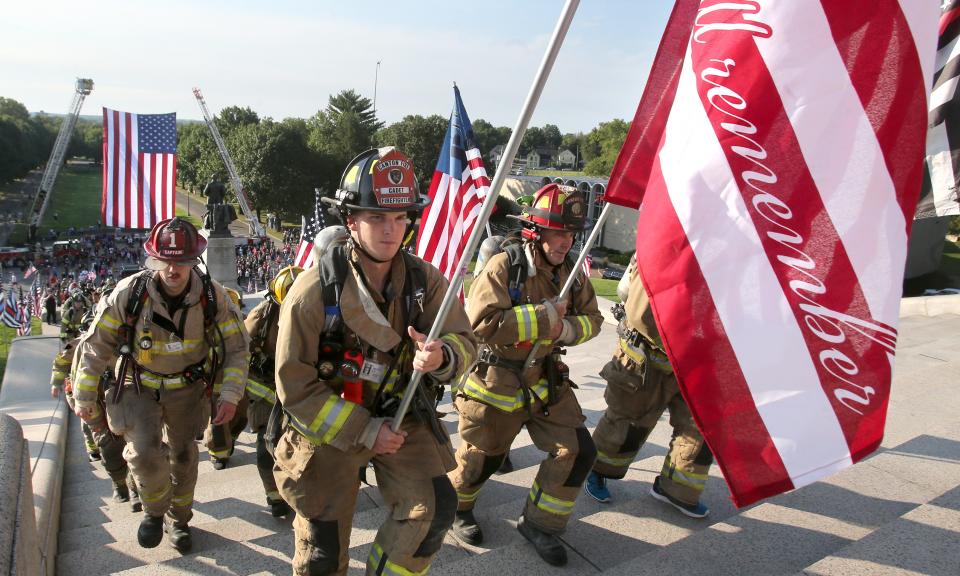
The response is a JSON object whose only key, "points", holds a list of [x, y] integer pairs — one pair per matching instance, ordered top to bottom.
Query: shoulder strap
{"points": [[517, 275], [333, 276], [415, 286], [138, 296], [208, 298]]}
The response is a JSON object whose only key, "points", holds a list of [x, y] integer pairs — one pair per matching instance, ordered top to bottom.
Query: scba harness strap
{"points": [[191, 374]]}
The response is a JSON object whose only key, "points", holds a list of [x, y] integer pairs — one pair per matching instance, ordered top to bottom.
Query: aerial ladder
{"points": [[83, 88], [256, 229]]}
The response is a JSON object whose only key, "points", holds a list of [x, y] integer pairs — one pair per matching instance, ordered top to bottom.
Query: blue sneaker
{"points": [[596, 487], [698, 510]]}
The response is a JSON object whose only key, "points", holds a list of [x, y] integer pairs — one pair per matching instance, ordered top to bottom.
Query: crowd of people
{"points": [[258, 262]]}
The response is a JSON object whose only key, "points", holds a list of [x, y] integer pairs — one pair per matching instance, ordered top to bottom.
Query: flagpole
{"points": [[546, 65]]}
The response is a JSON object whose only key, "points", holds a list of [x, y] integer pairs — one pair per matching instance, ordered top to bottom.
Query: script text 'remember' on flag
{"points": [[776, 156], [139, 168], [457, 191]]}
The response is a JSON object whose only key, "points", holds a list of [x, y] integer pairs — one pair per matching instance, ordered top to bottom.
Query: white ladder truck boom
{"points": [[83, 88], [256, 229]]}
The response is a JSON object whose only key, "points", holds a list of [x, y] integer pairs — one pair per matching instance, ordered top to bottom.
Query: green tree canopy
{"points": [[602, 146]]}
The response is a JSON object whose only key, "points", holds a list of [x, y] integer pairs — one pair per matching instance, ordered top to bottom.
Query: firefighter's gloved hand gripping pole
{"points": [[559, 33]]}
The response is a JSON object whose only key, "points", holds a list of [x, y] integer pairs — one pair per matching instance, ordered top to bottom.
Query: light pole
{"points": [[376, 77]]}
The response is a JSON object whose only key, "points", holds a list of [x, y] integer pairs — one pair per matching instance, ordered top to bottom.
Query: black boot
{"points": [[93, 456], [219, 463], [507, 466], [120, 492], [135, 503], [278, 508], [466, 529], [150, 532], [180, 537], [548, 546]]}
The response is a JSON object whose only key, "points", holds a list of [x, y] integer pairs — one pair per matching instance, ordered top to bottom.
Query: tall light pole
{"points": [[376, 77]]}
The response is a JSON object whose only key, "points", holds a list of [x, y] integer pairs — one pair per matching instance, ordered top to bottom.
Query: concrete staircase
{"points": [[896, 513]]}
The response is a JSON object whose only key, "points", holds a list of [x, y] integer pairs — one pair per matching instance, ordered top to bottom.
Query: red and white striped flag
{"points": [[777, 152], [139, 168], [457, 191], [304, 257], [586, 266]]}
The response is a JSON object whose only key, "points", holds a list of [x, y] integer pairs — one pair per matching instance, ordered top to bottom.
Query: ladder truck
{"points": [[42, 198], [256, 229]]}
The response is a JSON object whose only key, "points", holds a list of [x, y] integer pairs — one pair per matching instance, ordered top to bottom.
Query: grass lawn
{"points": [[556, 173], [76, 199], [605, 288], [7, 335]]}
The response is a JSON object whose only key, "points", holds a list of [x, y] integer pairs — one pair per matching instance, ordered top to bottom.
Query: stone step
{"points": [[794, 531], [922, 541]]}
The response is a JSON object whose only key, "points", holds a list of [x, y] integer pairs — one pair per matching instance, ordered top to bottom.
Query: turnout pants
{"points": [[637, 394], [258, 413], [160, 428], [487, 434], [321, 484]]}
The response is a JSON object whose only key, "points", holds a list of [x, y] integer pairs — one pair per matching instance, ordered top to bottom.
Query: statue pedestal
{"points": [[221, 259]]}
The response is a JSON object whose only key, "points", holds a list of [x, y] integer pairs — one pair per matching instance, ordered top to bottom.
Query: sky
{"points": [[285, 58]]}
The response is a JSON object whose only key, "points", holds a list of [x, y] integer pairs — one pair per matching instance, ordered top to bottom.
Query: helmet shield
{"points": [[381, 180], [174, 241]]}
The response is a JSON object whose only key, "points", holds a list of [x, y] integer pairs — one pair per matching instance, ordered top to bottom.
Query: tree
{"points": [[234, 116], [345, 128], [551, 136], [489, 137], [419, 138], [533, 138], [603, 145]]}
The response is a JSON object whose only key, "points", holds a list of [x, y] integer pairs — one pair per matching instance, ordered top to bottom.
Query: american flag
{"points": [[139, 168], [778, 177], [942, 178], [457, 190], [308, 231], [586, 266], [29, 271], [36, 297], [10, 314], [23, 318]]}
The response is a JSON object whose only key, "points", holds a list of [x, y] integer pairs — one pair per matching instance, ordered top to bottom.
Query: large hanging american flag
{"points": [[777, 152], [139, 168], [942, 178], [457, 191], [308, 231]]}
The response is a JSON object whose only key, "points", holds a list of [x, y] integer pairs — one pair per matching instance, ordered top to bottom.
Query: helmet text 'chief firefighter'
{"points": [[554, 207], [174, 241]]}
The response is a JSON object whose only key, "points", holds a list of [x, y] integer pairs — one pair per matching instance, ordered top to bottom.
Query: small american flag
{"points": [[139, 168], [942, 175], [457, 191], [308, 231], [586, 266], [29, 271], [36, 297], [10, 314], [23, 317]]}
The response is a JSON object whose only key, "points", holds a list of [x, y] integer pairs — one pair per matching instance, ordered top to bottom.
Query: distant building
{"points": [[541, 158], [566, 159]]}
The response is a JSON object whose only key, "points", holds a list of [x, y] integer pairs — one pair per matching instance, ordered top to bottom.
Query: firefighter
{"points": [[513, 304], [71, 314], [354, 325], [174, 331], [640, 386], [261, 392], [220, 440]]}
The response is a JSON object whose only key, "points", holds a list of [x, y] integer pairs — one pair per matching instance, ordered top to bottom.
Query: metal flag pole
{"points": [[546, 65], [573, 273]]}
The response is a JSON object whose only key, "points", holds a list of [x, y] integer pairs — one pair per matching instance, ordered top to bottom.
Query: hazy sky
{"points": [[284, 58]]}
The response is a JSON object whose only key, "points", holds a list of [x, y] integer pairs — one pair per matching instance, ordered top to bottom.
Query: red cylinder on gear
{"points": [[350, 370]]}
